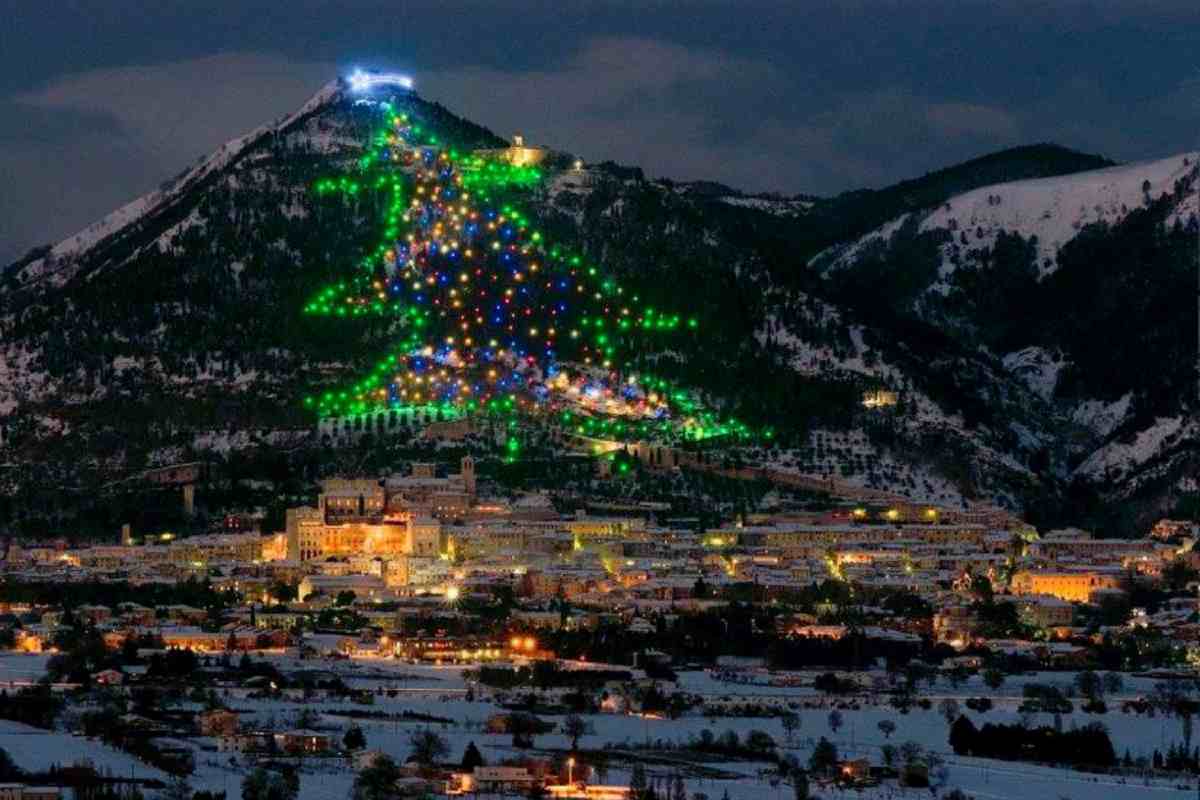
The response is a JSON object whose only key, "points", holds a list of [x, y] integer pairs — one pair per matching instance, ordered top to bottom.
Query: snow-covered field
{"points": [[19, 668], [441, 692], [36, 749]]}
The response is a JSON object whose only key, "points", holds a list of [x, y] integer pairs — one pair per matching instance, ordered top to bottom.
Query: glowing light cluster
{"points": [[361, 81], [494, 316]]}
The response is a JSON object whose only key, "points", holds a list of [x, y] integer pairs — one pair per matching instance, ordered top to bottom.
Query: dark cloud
{"points": [[99, 102]]}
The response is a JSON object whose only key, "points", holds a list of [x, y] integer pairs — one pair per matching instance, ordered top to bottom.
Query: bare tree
{"points": [[948, 708], [791, 723], [574, 728], [427, 747]]}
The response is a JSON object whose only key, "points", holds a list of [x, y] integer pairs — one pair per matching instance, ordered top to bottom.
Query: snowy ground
{"points": [[17, 669], [440, 692]]}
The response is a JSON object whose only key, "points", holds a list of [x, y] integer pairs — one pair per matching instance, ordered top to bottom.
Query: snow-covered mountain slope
{"points": [[778, 206], [1052, 209], [60, 264], [1097, 267], [166, 319], [175, 325], [1037, 367]]}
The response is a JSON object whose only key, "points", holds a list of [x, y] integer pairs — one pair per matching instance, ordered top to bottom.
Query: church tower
{"points": [[467, 469]]}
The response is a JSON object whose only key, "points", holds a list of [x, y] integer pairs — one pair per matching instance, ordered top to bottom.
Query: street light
{"points": [[571, 771]]}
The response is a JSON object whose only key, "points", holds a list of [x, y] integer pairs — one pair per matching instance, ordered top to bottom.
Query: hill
{"points": [[175, 328]]}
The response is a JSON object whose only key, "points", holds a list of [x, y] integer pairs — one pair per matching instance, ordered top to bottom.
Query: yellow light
{"points": [[452, 593]]}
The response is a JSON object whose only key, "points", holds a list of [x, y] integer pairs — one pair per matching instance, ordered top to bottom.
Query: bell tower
{"points": [[467, 469]]}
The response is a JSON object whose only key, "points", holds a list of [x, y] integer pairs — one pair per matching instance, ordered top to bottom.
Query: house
{"points": [[1075, 586], [1047, 611], [94, 614], [135, 614], [189, 615], [956, 623], [28, 641], [108, 677], [217, 722], [505, 723], [303, 741], [252, 742], [367, 758], [854, 769], [915, 773], [492, 779], [415, 786], [19, 791], [577, 791], [41, 793]]}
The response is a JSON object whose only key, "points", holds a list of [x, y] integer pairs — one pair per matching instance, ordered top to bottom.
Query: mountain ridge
{"points": [[213, 353]]}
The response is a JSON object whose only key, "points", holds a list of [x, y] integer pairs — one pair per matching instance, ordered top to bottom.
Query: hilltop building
{"points": [[518, 154], [398, 517]]}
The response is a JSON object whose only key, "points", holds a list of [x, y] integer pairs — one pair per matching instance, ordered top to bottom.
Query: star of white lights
{"points": [[362, 81]]}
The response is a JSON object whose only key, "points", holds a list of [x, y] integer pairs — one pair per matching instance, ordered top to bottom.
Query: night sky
{"points": [[102, 100]]}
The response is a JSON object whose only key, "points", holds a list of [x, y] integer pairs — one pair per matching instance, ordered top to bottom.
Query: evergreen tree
{"points": [[790, 721], [962, 736], [354, 739], [426, 747], [824, 757], [472, 758], [377, 781], [637, 781], [800, 785], [176, 789], [678, 789]]}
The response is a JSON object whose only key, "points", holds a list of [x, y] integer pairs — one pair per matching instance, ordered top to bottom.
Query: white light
{"points": [[362, 81]]}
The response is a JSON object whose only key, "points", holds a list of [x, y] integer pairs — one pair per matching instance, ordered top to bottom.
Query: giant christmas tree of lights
{"points": [[494, 318]]}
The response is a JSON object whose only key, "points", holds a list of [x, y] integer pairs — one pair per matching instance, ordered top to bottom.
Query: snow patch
{"points": [[771, 205], [1052, 209], [61, 264], [1037, 367], [1102, 417], [1117, 458]]}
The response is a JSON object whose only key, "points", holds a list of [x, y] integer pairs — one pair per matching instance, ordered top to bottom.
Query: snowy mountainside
{"points": [[779, 206], [1052, 209], [61, 262], [1081, 286], [178, 316], [173, 328], [817, 339], [1037, 367]]}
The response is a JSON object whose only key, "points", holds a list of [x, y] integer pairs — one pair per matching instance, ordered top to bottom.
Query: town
{"points": [[599, 401], [432, 632]]}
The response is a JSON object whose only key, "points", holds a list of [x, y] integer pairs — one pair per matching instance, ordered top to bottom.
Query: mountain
{"points": [[1083, 287], [174, 328]]}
